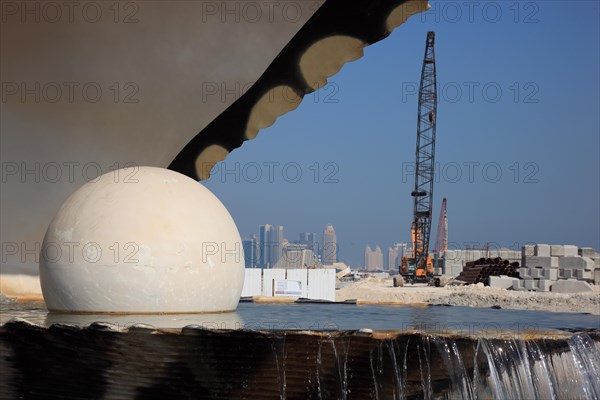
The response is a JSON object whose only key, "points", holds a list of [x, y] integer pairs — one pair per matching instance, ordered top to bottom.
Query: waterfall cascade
{"points": [[65, 361]]}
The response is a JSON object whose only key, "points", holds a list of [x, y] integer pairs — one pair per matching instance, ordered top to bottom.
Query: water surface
{"points": [[306, 316]]}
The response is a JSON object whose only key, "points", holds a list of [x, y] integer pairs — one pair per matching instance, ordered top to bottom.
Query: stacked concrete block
{"points": [[541, 250], [557, 250], [526, 251], [570, 251], [588, 252], [541, 262], [556, 262], [576, 263], [582, 268], [539, 269], [536, 273], [551, 274], [565, 274], [584, 275], [530, 279], [502, 282], [519, 284], [530, 284], [538, 285], [545, 285], [571, 286]]}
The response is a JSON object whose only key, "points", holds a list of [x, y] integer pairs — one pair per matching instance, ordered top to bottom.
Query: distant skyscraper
{"points": [[265, 239], [310, 240], [314, 243], [276, 244], [271, 245], [251, 251], [329, 253], [296, 255], [367, 256], [393, 258], [373, 259]]}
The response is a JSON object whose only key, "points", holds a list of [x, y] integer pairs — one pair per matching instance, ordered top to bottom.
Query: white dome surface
{"points": [[142, 240]]}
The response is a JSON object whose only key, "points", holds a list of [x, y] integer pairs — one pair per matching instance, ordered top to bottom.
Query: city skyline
{"points": [[268, 248], [259, 253]]}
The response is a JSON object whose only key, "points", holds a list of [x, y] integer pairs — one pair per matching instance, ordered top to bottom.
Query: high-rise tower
{"points": [[265, 239], [310, 240], [276, 244], [251, 252], [329, 252], [393, 258], [373, 259]]}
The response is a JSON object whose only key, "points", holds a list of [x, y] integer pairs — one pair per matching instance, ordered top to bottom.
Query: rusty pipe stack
{"points": [[481, 270]]}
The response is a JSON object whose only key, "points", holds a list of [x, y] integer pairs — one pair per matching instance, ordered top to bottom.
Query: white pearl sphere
{"points": [[142, 240]]}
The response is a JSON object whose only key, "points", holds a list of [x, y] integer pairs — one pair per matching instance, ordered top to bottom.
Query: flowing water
{"points": [[303, 351]]}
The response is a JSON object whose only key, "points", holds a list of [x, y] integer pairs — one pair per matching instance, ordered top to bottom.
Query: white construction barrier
{"points": [[299, 275], [268, 276], [252, 282], [316, 284], [321, 284]]}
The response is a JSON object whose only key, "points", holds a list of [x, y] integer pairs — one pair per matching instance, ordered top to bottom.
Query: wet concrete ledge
{"points": [[140, 361]]}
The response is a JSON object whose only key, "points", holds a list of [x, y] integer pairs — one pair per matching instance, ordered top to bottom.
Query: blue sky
{"points": [[518, 135]]}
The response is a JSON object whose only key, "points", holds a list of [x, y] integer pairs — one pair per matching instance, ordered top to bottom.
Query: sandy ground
{"points": [[376, 290], [381, 291]]}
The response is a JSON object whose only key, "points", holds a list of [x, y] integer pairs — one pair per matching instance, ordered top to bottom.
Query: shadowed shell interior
{"points": [[335, 35]]}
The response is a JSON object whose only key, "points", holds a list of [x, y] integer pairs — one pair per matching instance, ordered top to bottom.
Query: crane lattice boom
{"points": [[425, 156], [441, 244]]}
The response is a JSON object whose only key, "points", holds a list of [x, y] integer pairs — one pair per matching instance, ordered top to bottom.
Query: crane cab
{"points": [[412, 273]]}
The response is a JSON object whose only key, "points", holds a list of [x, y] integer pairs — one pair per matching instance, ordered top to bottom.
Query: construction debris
{"points": [[445, 280], [398, 281]]}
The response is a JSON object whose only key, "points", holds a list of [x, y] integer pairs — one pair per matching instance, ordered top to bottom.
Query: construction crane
{"points": [[441, 243], [419, 267]]}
